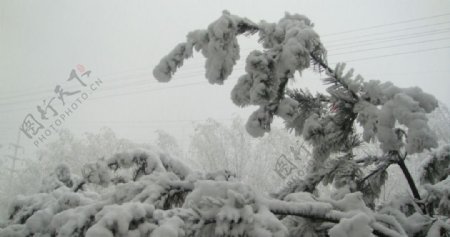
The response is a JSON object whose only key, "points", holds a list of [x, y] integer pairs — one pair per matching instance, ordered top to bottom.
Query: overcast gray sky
{"points": [[121, 42]]}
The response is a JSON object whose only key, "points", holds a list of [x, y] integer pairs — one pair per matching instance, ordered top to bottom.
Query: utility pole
{"points": [[12, 170]]}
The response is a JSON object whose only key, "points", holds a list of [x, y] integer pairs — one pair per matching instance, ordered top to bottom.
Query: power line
{"points": [[386, 25], [390, 31], [344, 32], [396, 37], [382, 41], [376, 43], [390, 46], [395, 54], [184, 68], [236, 68], [195, 71], [414, 73], [117, 79], [124, 80], [145, 82], [203, 82], [197, 83], [157, 89], [47, 91], [121, 94], [148, 121]]}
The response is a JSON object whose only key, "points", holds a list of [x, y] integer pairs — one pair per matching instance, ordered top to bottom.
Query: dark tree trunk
{"points": [[410, 180]]}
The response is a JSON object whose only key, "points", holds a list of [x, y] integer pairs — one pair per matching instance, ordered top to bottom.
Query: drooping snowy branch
{"points": [[288, 43], [218, 44]]}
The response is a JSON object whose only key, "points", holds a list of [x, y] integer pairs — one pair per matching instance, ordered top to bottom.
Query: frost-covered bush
{"points": [[171, 200]]}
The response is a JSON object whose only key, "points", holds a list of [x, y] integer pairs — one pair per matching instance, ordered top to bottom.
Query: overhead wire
{"points": [[388, 24], [390, 31], [387, 39], [379, 40], [390, 46], [395, 54], [195, 72], [184, 74], [198, 83]]}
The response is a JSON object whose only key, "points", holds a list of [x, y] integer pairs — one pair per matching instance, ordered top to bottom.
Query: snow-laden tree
{"points": [[395, 117], [439, 121], [168, 143], [215, 146], [218, 146], [69, 149], [76, 151], [161, 197]]}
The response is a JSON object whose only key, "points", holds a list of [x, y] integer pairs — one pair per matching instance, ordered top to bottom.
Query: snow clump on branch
{"points": [[218, 44], [288, 45]]}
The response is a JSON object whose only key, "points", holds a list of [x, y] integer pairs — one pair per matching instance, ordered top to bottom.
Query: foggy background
{"points": [[406, 42]]}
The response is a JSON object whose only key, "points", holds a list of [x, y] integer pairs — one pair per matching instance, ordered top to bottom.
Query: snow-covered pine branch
{"points": [[218, 44], [287, 44], [393, 116]]}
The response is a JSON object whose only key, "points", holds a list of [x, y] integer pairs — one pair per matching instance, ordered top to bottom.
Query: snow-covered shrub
{"points": [[162, 203]]}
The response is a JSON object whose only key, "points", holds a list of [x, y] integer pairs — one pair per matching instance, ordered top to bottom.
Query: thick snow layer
{"points": [[218, 44], [222, 50], [170, 63], [259, 67], [240, 95], [384, 105], [288, 109], [259, 122], [312, 128], [175, 166], [435, 166], [97, 173], [214, 207], [236, 209], [115, 220], [356, 226], [170, 227]]}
